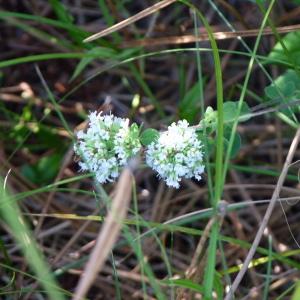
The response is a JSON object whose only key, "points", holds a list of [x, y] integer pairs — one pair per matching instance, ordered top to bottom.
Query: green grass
{"points": [[130, 66], [217, 192], [12, 215]]}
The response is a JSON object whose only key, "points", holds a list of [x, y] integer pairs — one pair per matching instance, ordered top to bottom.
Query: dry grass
{"points": [[60, 216]]}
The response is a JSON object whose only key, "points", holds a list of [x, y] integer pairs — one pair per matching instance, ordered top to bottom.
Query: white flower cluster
{"points": [[109, 142], [106, 145], [176, 154]]}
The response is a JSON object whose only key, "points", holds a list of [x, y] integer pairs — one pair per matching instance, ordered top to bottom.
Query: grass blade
{"points": [[13, 217]]}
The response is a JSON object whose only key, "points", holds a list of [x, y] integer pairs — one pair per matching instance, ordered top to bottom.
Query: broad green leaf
{"points": [[292, 43], [287, 85], [284, 89], [230, 110], [148, 136], [47, 138], [44, 171]]}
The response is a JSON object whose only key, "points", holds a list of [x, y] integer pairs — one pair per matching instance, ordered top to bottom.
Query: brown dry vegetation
{"points": [[31, 130]]}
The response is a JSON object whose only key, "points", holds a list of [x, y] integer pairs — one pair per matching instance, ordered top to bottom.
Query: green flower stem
{"points": [[210, 267]]}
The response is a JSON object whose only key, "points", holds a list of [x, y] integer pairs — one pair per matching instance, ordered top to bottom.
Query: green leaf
{"points": [[292, 43], [285, 88], [189, 106], [230, 110], [148, 136], [47, 139], [44, 171], [29, 173]]}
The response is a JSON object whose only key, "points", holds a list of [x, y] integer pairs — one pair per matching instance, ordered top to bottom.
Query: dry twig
{"points": [[144, 13], [266, 217], [108, 234]]}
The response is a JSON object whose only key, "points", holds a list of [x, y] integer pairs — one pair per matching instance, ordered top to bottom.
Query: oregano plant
{"points": [[109, 142]]}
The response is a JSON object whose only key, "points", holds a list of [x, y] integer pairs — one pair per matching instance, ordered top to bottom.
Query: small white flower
{"points": [[106, 146], [176, 154]]}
